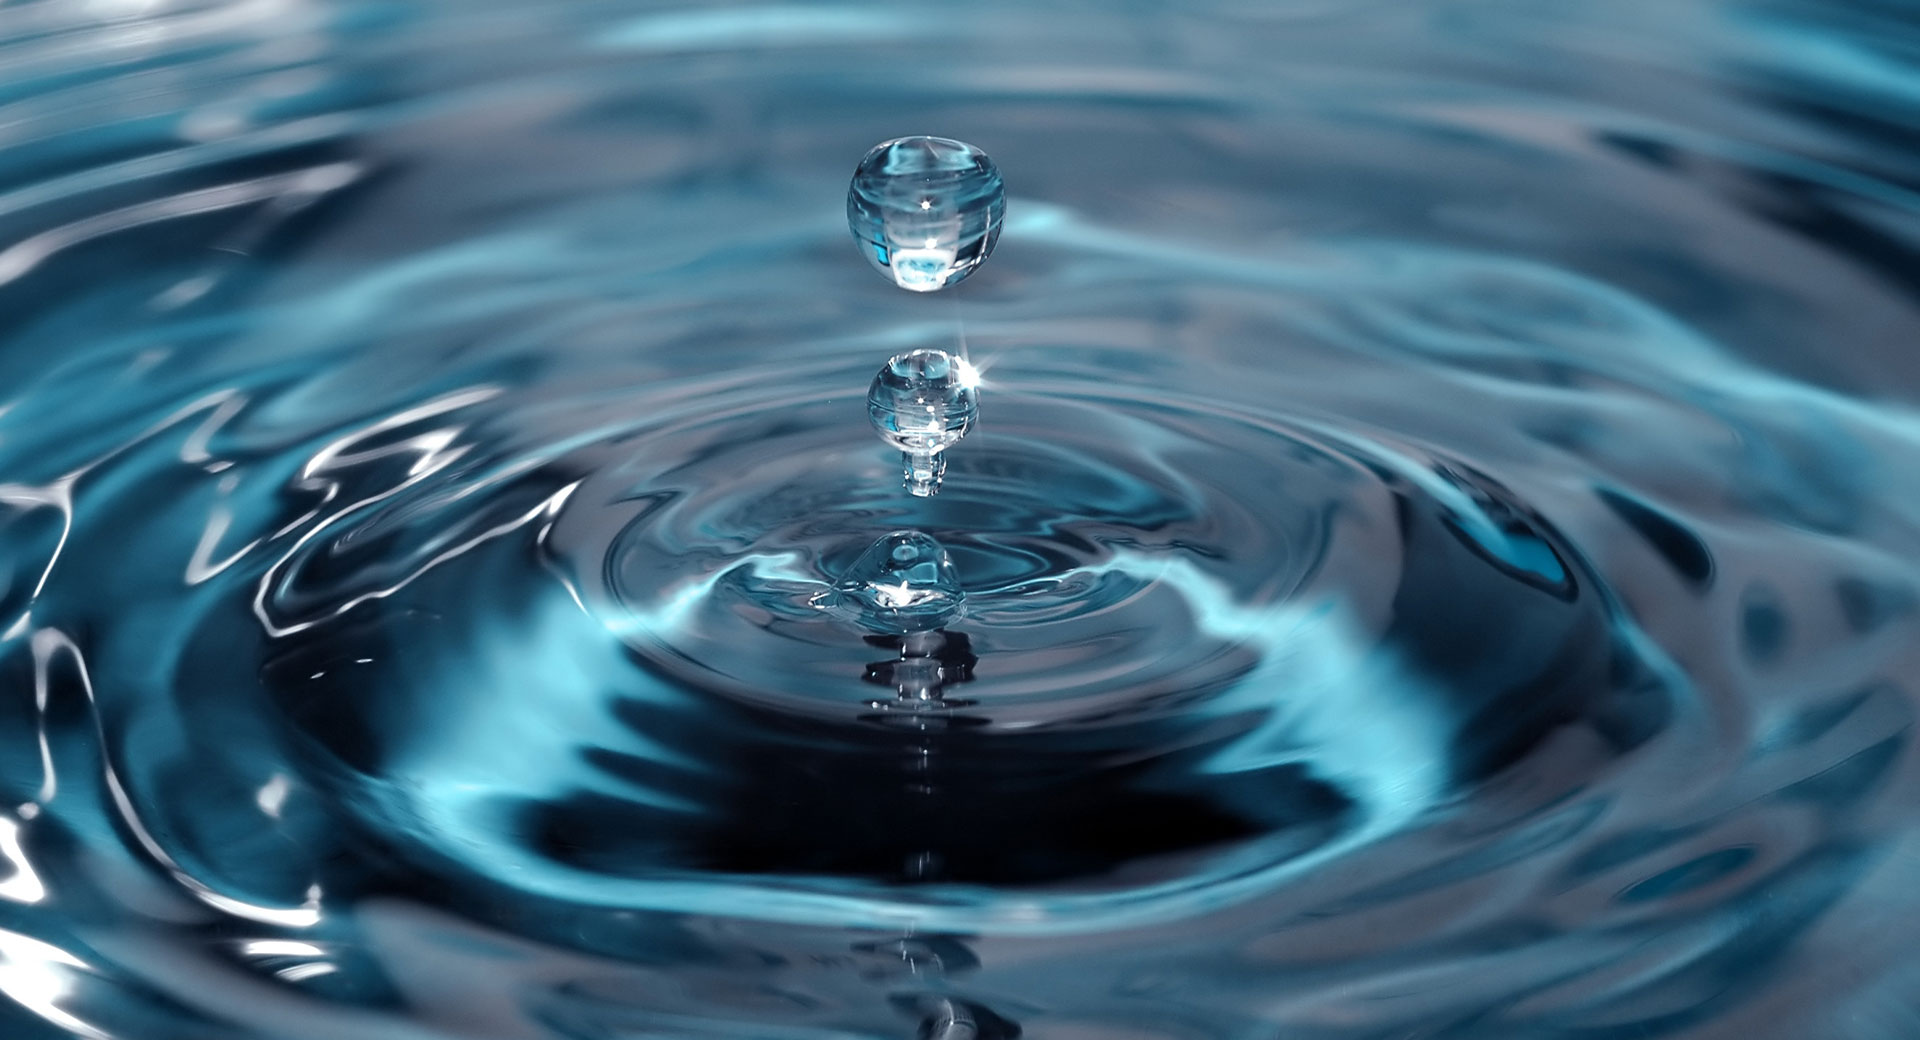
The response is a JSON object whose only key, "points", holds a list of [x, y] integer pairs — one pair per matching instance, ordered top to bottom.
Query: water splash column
{"points": [[903, 582]]}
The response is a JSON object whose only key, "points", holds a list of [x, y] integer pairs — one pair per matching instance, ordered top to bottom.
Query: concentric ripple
{"points": [[1438, 546], [1156, 671]]}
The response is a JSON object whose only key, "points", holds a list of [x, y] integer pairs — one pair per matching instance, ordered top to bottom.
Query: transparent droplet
{"points": [[926, 210], [922, 402], [903, 583]]}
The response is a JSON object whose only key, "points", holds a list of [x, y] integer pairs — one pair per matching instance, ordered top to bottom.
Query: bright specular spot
{"points": [[922, 402]]}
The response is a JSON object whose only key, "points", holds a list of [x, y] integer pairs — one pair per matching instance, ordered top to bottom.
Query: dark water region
{"points": [[1436, 556]]}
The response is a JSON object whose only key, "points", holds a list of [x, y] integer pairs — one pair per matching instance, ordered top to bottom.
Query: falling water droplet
{"points": [[926, 210], [922, 402], [903, 583]]}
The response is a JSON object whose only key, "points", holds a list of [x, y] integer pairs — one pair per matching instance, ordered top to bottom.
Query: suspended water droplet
{"points": [[926, 210], [922, 402], [903, 583]]}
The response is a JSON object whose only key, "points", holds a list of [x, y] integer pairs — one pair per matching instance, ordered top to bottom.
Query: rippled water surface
{"points": [[1440, 547]]}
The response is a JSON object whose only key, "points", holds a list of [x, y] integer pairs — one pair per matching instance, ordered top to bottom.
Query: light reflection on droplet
{"points": [[926, 210], [922, 402]]}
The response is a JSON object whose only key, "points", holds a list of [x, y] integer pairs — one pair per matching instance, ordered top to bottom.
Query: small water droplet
{"points": [[926, 210], [922, 402], [903, 583]]}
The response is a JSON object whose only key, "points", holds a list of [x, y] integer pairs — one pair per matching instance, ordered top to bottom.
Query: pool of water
{"points": [[1440, 543]]}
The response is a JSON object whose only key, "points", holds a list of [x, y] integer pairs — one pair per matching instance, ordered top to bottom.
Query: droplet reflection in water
{"points": [[926, 210], [922, 402]]}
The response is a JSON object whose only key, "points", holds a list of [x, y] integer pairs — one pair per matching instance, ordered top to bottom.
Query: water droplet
{"points": [[926, 210], [922, 402], [903, 583]]}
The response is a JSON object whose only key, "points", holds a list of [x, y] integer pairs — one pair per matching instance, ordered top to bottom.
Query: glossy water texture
{"points": [[926, 211], [922, 402], [1440, 559], [905, 582]]}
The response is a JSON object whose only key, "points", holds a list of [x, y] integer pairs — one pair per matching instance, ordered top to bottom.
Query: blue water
{"points": [[1439, 556]]}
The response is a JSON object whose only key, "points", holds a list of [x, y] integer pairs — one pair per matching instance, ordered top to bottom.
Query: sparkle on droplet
{"points": [[926, 210], [922, 402], [902, 583]]}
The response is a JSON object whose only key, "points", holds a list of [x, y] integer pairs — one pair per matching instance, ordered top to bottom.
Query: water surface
{"points": [[1438, 547]]}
